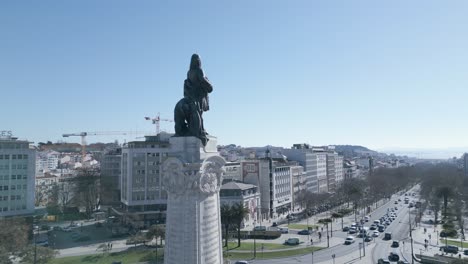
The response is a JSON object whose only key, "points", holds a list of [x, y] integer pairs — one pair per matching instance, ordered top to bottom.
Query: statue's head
{"points": [[195, 62]]}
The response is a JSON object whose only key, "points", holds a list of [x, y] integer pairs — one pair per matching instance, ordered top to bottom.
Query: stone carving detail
{"points": [[211, 172], [179, 178]]}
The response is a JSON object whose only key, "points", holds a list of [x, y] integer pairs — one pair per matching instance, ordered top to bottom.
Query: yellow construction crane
{"points": [[155, 120], [100, 133]]}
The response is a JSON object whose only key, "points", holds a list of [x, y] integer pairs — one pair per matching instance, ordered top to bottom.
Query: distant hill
{"points": [[349, 151]]}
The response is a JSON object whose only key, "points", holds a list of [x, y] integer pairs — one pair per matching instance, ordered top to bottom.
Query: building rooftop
{"points": [[237, 186]]}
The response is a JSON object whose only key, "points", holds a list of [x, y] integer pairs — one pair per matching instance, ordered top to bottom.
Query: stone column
{"points": [[192, 178]]}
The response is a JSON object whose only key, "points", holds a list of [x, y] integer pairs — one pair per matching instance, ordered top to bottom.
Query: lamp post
{"points": [[437, 232], [411, 236], [255, 240], [312, 253], [333, 257]]}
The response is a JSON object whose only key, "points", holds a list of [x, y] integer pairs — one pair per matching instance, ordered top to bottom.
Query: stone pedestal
{"points": [[192, 178]]}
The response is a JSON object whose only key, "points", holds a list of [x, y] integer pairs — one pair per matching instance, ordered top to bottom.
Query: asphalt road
{"points": [[399, 228]]}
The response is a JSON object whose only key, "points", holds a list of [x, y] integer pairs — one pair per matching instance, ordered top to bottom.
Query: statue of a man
{"points": [[189, 110]]}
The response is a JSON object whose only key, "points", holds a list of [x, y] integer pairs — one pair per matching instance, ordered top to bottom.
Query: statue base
{"points": [[192, 178]]}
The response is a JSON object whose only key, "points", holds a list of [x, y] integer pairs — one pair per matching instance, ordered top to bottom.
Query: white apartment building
{"points": [[304, 155], [46, 161], [232, 172], [339, 172], [17, 173], [298, 184], [246, 194], [143, 198]]}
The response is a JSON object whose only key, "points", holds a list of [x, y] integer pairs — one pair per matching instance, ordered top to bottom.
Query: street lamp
{"points": [[255, 240], [312, 253]]}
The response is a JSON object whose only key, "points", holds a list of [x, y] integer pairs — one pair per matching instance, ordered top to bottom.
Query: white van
{"points": [[377, 222]]}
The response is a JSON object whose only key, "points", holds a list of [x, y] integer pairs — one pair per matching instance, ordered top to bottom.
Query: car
{"points": [[399, 199], [396, 202], [396, 208], [366, 218], [377, 222], [388, 222], [274, 224], [373, 227], [57, 228], [260, 228], [66, 229], [345, 229], [381, 229], [284, 230], [352, 230], [304, 232], [375, 233], [387, 236], [368, 239], [349, 240], [292, 241], [43, 243], [395, 244], [449, 249], [465, 252], [393, 257], [383, 261], [241, 262], [402, 262]]}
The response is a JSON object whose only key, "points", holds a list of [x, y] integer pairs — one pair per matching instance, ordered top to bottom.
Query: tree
{"points": [[87, 187], [444, 192], [239, 212], [226, 220], [156, 231], [14, 234], [43, 254]]}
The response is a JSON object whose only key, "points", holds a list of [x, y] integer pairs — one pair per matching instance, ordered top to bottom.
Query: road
{"points": [[376, 249]]}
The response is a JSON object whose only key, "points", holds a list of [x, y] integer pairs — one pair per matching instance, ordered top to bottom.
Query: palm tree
{"points": [[239, 212], [226, 220]]}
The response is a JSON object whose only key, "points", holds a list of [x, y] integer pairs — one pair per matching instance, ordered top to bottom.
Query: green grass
{"points": [[300, 226], [453, 243], [250, 246], [269, 255], [129, 256]]}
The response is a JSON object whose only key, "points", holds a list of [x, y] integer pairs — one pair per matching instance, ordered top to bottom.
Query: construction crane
{"points": [[156, 120], [101, 133]]}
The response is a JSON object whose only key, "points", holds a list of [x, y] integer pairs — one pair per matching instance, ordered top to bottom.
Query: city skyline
{"points": [[380, 75]]}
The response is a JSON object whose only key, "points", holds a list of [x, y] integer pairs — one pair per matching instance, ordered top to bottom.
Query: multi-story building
{"points": [[303, 154], [47, 161], [111, 165], [350, 169], [232, 172], [339, 172], [17, 173], [274, 180], [298, 185], [246, 194], [143, 198]]}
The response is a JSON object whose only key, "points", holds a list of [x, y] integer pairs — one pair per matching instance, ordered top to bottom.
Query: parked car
{"points": [[366, 218], [274, 224], [260, 228], [67, 229], [345, 229], [284, 230], [304, 232], [375, 233], [368, 239], [349, 240], [292, 241], [43, 243], [395, 244], [449, 249], [465, 252], [393, 257], [242, 262], [403, 262]]}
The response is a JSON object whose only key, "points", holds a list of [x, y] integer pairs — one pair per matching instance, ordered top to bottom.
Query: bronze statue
{"points": [[189, 110]]}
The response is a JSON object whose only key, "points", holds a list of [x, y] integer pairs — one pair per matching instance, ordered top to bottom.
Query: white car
{"points": [[366, 218], [375, 233], [349, 240]]}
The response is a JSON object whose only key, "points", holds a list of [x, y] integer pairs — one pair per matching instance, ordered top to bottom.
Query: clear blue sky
{"points": [[374, 73]]}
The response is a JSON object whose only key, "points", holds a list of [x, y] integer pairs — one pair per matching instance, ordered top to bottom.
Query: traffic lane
{"points": [[400, 232]]}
